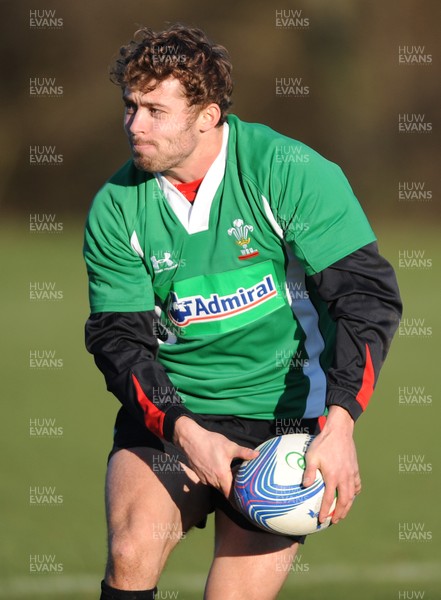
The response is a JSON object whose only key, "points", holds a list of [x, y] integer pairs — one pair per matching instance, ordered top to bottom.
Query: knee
{"points": [[134, 550], [125, 552], [131, 561]]}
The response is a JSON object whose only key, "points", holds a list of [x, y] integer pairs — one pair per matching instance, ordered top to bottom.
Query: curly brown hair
{"points": [[202, 67]]}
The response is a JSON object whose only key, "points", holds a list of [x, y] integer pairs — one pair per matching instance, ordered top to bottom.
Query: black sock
{"points": [[110, 593]]}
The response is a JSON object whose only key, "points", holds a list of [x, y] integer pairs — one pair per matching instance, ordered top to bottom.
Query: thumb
{"points": [[245, 453], [310, 474]]}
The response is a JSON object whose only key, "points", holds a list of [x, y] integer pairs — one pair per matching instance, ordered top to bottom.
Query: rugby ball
{"points": [[268, 489]]}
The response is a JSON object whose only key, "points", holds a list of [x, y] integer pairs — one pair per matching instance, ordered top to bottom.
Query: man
{"points": [[273, 308]]}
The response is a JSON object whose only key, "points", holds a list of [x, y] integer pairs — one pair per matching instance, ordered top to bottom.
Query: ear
{"points": [[209, 117]]}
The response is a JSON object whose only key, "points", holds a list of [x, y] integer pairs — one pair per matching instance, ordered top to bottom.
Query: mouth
{"points": [[139, 144]]}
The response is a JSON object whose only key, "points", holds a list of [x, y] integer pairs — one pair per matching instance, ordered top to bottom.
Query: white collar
{"points": [[195, 216]]}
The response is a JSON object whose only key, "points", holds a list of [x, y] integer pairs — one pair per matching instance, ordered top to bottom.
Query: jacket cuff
{"points": [[339, 397], [171, 416]]}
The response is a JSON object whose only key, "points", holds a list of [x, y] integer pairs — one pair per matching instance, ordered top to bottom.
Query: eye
{"points": [[130, 108], [155, 112]]}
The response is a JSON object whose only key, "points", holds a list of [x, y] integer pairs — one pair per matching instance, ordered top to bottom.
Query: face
{"points": [[161, 127]]}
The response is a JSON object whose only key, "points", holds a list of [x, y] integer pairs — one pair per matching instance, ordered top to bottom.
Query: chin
{"points": [[145, 164]]}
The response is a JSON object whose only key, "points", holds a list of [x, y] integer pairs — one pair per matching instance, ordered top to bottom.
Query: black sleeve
{"points": [[363, 299], [125, 346]]}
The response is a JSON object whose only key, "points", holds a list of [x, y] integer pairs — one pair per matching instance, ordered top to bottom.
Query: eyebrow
{"points": [[127, 98]]}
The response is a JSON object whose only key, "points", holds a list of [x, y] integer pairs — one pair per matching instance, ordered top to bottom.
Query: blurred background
{"points": [[367, 97]]}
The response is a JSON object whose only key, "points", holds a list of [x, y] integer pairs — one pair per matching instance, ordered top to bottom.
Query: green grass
{"points": [[360, 558]]}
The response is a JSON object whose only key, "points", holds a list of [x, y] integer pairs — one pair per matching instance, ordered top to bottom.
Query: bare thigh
{"points": [[151, 501], [247, 564]]}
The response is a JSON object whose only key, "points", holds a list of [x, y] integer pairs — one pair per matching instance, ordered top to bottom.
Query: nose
{"points": [[138, 122]]}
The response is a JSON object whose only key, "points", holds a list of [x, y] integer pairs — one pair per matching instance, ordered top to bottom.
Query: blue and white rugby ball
{"points": [[269, 492]]}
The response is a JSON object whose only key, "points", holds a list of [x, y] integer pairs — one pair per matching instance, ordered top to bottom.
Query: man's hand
{"points": [[333, 452], [209, 454]]}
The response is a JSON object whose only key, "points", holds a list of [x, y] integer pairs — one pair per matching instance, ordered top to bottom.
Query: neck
{"points": [[200, 160]]}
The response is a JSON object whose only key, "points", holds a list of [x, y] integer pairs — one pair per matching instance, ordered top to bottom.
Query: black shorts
{"points": [[129, 433]]}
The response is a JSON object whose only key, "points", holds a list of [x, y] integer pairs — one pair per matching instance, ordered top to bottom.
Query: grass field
{"points": [[361, 558]]}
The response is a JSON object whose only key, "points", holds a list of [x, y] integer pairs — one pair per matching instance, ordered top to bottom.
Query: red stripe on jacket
{"points": [[367, 386], [153, 417]]}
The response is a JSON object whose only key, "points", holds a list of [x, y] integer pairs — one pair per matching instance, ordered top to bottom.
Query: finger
{"points": [[310, 474], [358, 485], [346, 493], [328, 499], [342, 511]]}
